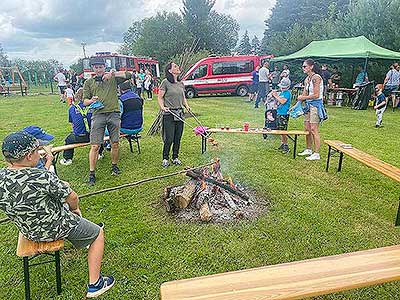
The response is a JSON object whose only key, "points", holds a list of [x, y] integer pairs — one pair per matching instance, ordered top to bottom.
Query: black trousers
{"points": [[171, 133], [75, 139]]}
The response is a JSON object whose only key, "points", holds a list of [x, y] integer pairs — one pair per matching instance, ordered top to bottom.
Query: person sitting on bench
{"points": [[131, 106], [80, 118], [46, 209]]}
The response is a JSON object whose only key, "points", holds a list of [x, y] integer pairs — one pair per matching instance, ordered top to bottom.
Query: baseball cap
{"points": [[97, 61], [285, 83], [43, 137], [17, 145]]}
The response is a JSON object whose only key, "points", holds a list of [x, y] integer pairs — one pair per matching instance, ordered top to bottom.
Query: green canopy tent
{"points": [[342, 49], [352, 50]]}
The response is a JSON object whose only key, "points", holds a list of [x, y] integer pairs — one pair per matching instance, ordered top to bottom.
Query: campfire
{"points": [[208, 196]]}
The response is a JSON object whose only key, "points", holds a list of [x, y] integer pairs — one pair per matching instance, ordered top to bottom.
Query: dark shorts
{"points": [[254, 88], [62, 89], [389, 89], [111, 120], [282, 122], [84, 234]]}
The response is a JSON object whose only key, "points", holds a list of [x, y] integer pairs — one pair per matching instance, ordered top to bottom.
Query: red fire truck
{"points": [[123, 63], [222, 74]]}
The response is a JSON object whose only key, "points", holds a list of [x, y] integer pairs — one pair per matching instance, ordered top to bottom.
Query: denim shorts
{"points": [[312, 116], [111, 120], [84, 234]]}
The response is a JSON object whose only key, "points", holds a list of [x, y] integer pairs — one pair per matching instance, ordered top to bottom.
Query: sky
{"points": [[43, 29]]}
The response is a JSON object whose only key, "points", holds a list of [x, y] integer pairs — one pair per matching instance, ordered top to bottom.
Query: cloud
{"points": [[44, 29]]}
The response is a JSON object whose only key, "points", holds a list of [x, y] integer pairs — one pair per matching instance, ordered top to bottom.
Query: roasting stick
{"points": [[179, 118]]}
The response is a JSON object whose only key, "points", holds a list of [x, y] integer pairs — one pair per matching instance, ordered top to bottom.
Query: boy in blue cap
{"points": [[46, 209]]}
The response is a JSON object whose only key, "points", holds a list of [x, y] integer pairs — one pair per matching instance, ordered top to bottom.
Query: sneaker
{"points": [[280, 147], [285, 149], [305, 152], [100, 156], [314, 156], [176, 161], [65, 162], [165, 163], [115, 170], [92, 179], [101, 225], [101, 286]]}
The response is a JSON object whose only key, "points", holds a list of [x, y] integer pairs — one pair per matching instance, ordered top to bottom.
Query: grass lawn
{"points": [[311, 214]]}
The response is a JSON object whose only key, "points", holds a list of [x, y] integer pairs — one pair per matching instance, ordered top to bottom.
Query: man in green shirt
{"points": [[102, 89]]}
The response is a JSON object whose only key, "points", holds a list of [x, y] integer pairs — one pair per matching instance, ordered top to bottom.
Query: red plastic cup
{"points": [[246, 126]]}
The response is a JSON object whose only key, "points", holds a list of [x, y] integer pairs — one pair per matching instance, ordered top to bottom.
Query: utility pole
{"points": [[83, 44]]}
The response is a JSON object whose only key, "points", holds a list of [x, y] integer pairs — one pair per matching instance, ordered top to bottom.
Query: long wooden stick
{"points": [[143, 181], [133, 184]]}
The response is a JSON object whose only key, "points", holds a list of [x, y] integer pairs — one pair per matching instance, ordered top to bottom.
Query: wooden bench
{"points": [[289, 133], [57, 150], [367, 159], [29, 250], [295, 280]]}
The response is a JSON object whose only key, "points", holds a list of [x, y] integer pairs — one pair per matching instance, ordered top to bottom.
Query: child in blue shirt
{"points": [[380, 105], [282, 111]]}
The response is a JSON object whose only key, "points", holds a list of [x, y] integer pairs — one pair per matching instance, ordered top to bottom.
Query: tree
{"points": [[196, 14], [302, 14], [224, 34], [161, 36], [130, 37], [244, 46], [255, 46], [4, 62], [78, 66]]}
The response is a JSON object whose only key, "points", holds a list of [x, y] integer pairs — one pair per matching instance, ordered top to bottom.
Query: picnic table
{"points": [[292, 135]]}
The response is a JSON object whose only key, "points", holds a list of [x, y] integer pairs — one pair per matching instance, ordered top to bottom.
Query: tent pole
{"points": [[366, 65]]}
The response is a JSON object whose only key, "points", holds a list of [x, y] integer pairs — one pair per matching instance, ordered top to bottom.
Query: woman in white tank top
{"points": [[312, 94]]}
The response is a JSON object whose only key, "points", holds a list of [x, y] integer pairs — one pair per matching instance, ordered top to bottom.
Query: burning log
{"points": [[227, 187], [185, 194], [205, 214]]}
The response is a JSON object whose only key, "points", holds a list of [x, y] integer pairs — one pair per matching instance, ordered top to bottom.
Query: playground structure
{"points": [[12, 81]]}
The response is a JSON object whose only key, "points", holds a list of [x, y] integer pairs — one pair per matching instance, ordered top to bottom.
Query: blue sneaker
{"points": [[101, 286]]}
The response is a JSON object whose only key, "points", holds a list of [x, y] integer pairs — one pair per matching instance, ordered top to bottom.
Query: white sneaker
{"points": [[305, 152], [100, 156], [314, 156], [65, 162], [165, 163]]}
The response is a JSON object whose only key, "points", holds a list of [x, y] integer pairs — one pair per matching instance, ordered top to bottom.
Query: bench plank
{"points": [[259, 131], [367, 159], [27, 247], [294, 280]]}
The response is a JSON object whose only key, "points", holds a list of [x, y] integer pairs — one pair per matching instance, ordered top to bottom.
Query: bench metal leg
{"points": [[130, 143], [138, 143], [203, 144], [328, 159], [340, 162], [398, 215], [58, 271], [26, 278]]}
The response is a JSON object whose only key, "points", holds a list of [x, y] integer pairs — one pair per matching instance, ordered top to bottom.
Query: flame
{"points": [[230, 181], [203, 185]]}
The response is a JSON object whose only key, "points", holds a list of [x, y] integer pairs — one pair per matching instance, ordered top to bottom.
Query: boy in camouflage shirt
{"points": [[46, 209]]}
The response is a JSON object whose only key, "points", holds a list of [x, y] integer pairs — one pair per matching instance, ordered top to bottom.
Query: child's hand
{"points": [[375, 107]]}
